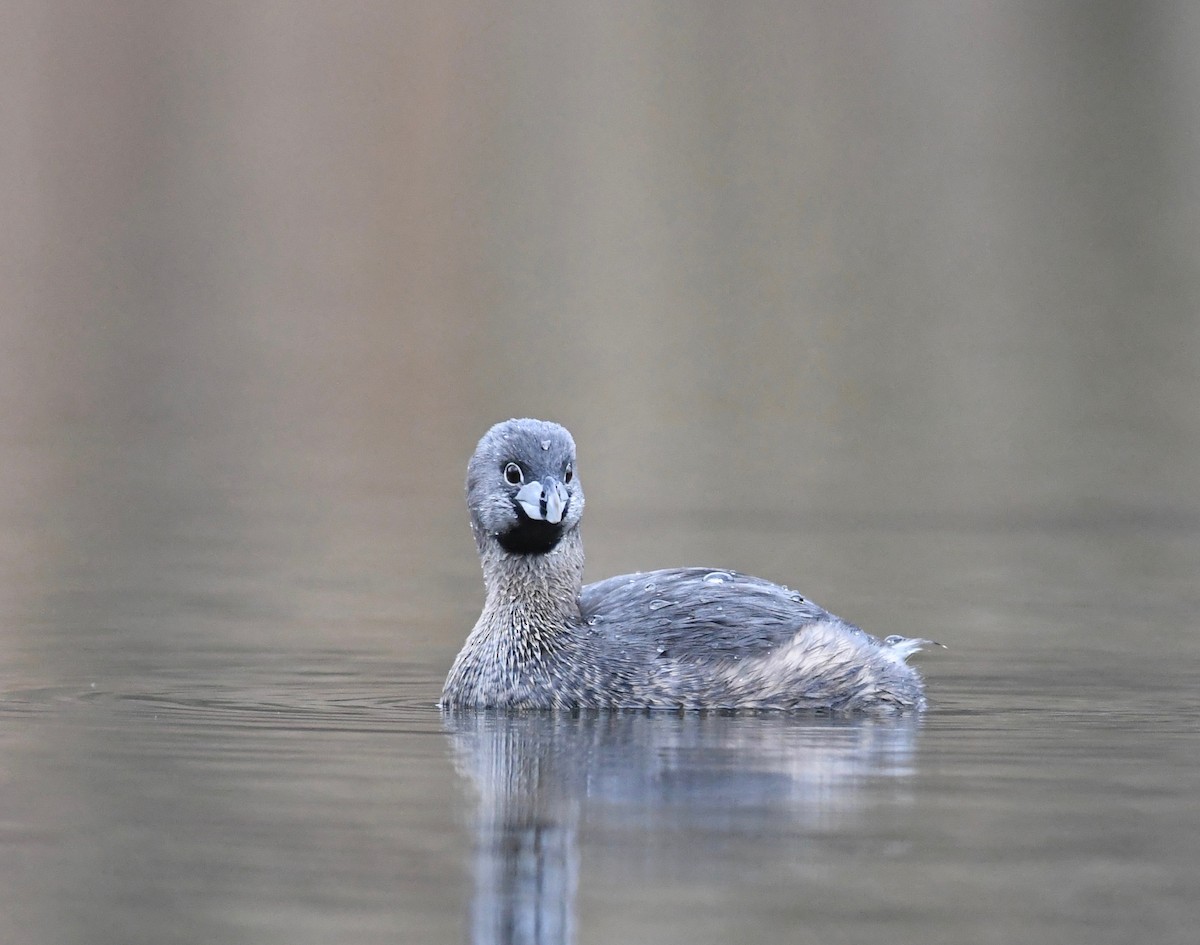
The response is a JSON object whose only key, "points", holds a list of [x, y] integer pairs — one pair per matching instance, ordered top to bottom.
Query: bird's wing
{"points": [[698, 613]]}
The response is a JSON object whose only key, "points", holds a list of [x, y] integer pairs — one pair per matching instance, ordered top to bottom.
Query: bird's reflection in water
{"points": [[539, 776]]}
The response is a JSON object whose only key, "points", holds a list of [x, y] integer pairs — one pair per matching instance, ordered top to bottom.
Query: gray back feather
{"points": [[699, 614]]}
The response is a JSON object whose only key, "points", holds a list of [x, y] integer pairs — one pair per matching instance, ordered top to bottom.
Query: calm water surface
{"points": [[211, 763]]}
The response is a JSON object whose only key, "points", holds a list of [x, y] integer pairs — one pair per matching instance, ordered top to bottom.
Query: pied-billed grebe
{"points": [[687, 638]]}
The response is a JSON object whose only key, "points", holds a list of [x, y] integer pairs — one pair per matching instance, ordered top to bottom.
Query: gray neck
{"points": [[542, 588], [517, 646]]}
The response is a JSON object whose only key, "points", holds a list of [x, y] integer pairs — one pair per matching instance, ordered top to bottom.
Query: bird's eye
{"points": [[569, 473], [513, 475]]}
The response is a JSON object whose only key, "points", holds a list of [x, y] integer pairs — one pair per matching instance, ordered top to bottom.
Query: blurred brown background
{"points": [[859, 260]]}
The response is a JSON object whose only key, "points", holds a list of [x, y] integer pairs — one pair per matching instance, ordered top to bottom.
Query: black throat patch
{"points": [[530, 537]]}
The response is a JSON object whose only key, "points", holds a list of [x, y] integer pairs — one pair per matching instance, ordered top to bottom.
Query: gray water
{"points": [[896, 304], [209, 736]]}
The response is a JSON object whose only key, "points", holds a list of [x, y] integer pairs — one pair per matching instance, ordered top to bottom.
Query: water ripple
{"points": [[308, 701]]}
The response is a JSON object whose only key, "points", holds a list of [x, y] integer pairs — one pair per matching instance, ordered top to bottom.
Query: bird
{"points": [[692, 638]]}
